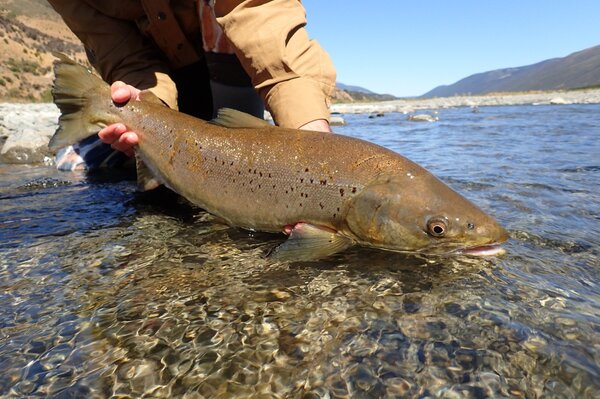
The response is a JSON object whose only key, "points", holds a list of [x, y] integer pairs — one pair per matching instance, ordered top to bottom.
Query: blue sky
{"points": [[407, 48]]}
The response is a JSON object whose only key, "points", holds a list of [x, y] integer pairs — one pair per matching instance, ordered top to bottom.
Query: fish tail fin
{"points": [[81, 96]]}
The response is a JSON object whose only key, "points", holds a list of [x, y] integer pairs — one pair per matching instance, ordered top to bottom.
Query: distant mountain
{"points": [[580, 69], [357, 89], [349, 93]]}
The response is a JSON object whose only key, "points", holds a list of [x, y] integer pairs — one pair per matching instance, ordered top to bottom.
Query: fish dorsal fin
{"points": [[148, 96], [232, 118], [145, 179], [308, 242]]}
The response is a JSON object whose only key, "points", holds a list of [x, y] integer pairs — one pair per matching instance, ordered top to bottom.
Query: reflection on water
{"points": [[108, 293]]}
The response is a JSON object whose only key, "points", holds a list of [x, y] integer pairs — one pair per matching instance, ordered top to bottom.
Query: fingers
{"points": [[121, 92], [319, 125], [117, 134], [119, 138], [126, 143]]}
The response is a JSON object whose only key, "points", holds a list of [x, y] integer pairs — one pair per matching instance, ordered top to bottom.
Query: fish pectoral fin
{"points": [[232, 118], [145, 179], [309, 242]]}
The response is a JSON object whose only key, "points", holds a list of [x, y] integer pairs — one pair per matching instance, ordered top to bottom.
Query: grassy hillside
{"points": [[30, 30]]}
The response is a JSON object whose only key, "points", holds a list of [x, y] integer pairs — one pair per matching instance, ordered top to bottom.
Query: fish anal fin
{"points": [[232, 118], [146, 181], [308, 242]]}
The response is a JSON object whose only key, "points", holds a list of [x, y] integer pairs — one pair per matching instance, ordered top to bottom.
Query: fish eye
{"points": [[470, 226], [436, 227]]}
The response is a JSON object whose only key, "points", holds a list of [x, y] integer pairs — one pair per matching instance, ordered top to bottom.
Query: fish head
{"points": [[416, 212]]}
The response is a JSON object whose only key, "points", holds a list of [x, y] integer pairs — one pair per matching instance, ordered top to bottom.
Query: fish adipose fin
{"points": [[78, 93], [148, 96], [232, 118], [308, 242]]}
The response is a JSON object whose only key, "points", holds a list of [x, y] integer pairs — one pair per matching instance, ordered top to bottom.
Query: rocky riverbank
{"points": [[407, 106], [25, 129]]}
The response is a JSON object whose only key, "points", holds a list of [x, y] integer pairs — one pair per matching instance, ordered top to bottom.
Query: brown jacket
{"points": [[292, 73]]}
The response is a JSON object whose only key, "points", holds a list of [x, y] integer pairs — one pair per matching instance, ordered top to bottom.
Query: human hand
{"points": [[319, 125], [117, 134]]}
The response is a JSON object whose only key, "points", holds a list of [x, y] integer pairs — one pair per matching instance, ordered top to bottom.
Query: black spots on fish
{"points": [[216, 160], [231, 163], [306, 170], [254, 171], [239, 172], [260, 174], [269, 175], [301, 180], [312, 181], [323, 182], [274, 185], [260, 186], [292, 189], [353, 190], [342, 191], [301, 205], [321, 205], [338, 209], [334, 215]]}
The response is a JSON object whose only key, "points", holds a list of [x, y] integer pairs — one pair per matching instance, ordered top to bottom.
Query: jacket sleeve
{"points": [[117, 50], [291, 72]]}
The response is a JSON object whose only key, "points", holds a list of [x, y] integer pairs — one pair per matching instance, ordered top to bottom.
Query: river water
{"points": [[110, 293]]}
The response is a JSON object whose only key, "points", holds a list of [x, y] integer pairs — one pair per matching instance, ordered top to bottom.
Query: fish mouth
{"points": [[483, 250]]}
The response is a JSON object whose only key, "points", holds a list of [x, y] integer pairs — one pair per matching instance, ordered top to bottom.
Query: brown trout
{"points": [[327, 191]]}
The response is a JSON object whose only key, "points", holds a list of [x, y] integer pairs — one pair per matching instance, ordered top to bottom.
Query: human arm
{"points": [[116, 48], [120, 53], [292, 73]]}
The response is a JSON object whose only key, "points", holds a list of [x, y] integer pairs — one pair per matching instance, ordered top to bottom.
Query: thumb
{"points": [[120, 92]]}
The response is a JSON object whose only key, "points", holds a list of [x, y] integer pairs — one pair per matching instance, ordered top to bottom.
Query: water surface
{"points": [[109, 293]]}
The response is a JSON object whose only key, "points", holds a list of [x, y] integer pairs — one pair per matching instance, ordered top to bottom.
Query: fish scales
{"points": [[248, 178]]}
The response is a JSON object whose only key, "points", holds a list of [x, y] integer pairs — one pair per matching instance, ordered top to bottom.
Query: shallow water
{"points": [[108, 293]]}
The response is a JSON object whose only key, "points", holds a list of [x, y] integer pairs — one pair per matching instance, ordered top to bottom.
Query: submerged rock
{"points": [[422, 118], [336, 120]]}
